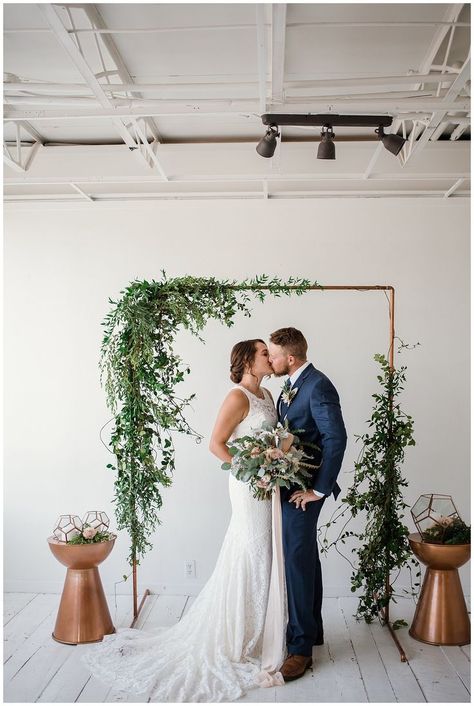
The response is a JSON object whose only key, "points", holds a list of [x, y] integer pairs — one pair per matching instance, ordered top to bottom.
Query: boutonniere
{"points": [[288, 394]]}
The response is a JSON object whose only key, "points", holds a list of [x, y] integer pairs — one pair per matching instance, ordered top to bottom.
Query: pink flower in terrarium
{"points": [[89, 532]]}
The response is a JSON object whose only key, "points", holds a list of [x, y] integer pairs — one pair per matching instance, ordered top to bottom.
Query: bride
{"points": [[233, 637]]}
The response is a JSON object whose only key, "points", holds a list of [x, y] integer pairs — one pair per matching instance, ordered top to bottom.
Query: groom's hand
{"points": [[300, 498]]}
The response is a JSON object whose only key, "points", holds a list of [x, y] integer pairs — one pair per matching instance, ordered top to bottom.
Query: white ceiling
{"points": [[204, 74]]}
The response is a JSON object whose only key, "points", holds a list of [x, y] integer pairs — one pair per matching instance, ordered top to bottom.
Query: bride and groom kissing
{"points": [[257, 618]]}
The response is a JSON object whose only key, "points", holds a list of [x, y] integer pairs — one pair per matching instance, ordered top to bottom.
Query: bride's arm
{"points": [[234, 409]]}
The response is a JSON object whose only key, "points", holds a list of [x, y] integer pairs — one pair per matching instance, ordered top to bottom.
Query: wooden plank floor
{"points": [[358, 662]]}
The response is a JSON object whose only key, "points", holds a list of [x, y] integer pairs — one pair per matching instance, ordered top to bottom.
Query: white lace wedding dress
{"points": [[214, 653]]}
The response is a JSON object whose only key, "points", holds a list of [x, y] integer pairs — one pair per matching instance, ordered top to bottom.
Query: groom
{"points": [[308, 401]]}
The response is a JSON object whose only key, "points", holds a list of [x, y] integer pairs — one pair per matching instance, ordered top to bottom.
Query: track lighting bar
{"points": [[329, 119], [326, 150]]}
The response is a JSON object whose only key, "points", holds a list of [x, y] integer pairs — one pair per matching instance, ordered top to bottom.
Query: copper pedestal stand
{"points": [[83, 614], [441, 616]]}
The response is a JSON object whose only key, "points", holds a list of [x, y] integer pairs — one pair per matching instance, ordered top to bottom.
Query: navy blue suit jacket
{"points": [[316, 409]]}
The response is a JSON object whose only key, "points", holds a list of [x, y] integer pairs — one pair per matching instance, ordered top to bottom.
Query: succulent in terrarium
{"points": [[438, 521]]}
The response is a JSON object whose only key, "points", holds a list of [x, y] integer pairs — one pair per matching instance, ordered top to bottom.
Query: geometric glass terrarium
{"points": [[434, 512], [96, 519], [67, 527]]}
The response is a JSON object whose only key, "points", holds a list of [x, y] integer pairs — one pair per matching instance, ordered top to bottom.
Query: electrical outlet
{"points": [[190, 568]]}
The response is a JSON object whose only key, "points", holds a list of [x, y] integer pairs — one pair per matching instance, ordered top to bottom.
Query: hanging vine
{"points": [[140, 371], [376, 494]]}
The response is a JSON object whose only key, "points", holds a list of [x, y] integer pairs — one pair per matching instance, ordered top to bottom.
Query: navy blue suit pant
{"points": [[303, 575]]}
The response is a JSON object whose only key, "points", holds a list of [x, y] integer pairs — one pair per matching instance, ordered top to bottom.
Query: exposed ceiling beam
{"points": [[450, 19], [97, 21], [217, 28], [442, 30], [278, 50], [261, 57], [187, 83], [222, 93], [212, 108], [440, 115], [439, 131], [458, 131], [32, 132], [32, 154], [148, 156], [373, 160], [10, 162], [22, 162], [238, 177], [454, 188], [80, 191], [105, 199]]}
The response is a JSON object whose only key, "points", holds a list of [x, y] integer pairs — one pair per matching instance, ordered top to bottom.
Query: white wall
{"points": [[62, 265]]}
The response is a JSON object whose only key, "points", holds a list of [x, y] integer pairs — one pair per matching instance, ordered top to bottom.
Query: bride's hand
{"points": [[286, 443]]}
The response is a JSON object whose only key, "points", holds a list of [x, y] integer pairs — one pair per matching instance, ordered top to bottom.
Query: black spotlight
{"points": [[393, 143], [267, 145], [326, 149]]}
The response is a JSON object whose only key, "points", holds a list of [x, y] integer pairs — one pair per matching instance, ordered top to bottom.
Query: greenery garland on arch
{"points": [[140, 370]]}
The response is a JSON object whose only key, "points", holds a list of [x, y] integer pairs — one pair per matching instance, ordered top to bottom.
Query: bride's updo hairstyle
{"points": [[241, 356]]}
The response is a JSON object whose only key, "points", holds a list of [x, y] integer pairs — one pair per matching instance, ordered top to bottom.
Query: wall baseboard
{"points": [[177, 589]]}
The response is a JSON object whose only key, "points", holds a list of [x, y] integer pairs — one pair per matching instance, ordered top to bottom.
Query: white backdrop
{"points": [[63, 263]]}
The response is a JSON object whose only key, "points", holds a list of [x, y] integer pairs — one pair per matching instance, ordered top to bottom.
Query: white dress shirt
{"points": [[293, 378]]}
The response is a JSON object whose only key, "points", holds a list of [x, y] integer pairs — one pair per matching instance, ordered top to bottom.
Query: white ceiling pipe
{"points": [[246, 26], [300, 83], [382, 94], [51, 100], [80, 101], [224, 107], [236, 108], [456, 120], [222, 178], [104, 200]]}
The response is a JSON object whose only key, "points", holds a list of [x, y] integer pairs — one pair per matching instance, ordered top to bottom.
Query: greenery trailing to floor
{"points": [[140, 371], [377, 492]]}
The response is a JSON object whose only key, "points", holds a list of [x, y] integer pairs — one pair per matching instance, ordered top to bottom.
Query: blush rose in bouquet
{"points": [[270, 458]]}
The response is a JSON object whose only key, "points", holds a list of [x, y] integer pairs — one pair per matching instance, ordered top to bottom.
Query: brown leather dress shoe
{"points": [[295, 666]]}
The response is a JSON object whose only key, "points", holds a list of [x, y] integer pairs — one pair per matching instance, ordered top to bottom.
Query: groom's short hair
{"points": [[291, 340]]}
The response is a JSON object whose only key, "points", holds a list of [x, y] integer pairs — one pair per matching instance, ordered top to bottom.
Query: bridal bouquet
{"points": [[259, 461]]}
